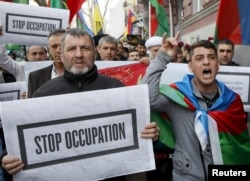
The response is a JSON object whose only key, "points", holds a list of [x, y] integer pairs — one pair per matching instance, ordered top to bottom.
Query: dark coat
{"points": [[38, 78], [70, 83]]}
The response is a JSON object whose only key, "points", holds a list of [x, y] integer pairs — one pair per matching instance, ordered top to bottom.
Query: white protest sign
{"points": [[30, 25], [107, 64], [36, 65], [11, 91], [83, 136]]}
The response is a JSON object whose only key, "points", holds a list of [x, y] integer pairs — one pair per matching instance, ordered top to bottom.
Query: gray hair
{"points": [[56, 32], [76, 32], [108, 39]]}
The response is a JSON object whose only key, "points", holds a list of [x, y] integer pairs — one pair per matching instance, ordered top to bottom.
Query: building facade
{"points": [[197, 20]]}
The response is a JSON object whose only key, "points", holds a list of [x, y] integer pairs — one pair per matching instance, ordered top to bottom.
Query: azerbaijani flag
{"points": [[158, 22], [233, 22], [224, 124]]}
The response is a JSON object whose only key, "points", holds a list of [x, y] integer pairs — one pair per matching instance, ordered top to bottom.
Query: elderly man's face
{"points": [[154, 50], [78, 54]]}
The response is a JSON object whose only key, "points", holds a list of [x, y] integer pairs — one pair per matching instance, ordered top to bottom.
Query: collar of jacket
{"points": [[81, 79]]}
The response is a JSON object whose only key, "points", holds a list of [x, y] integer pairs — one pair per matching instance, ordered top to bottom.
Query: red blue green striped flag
{"points": [[158, 18], [233, 22], [224, 124]]}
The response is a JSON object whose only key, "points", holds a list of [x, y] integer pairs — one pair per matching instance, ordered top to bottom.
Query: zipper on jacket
{"points": [[79, 84]]}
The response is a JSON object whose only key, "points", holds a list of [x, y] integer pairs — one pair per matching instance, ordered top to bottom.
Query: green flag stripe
{"points": [[21, 1], [161, 18], [174, 95], [166, 133], [235, 148]]}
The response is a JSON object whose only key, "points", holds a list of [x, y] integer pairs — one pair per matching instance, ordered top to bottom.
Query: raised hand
{"points": [[169, 45]]}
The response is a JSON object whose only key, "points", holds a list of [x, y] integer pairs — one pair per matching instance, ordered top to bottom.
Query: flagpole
{"points": [[170, 18], [149, 19]]}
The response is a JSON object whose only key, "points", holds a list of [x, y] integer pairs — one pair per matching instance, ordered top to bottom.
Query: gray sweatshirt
{"points": [[189, 162]]}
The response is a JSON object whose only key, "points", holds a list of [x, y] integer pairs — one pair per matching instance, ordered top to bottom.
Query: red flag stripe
{"points": [[74, 6], [228, 21], [128, 74]]}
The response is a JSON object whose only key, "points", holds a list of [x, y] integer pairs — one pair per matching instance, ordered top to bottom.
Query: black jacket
{"points": [[232, 64], [38, 78], [70, 83]]}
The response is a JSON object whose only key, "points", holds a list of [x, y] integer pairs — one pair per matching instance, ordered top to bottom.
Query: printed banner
{"points": [[29, 25], [127, 74], [12, 91], [97, 137]]}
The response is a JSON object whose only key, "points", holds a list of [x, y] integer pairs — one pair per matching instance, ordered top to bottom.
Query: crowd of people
{"points": [[74, 53]]}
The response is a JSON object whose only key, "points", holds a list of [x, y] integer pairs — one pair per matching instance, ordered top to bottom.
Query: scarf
{"points": [[223, 124]]}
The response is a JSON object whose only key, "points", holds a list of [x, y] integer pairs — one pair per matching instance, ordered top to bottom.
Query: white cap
{"points": [[153, 41]]}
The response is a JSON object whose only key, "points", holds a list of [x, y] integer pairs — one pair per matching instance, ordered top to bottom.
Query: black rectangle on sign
{"points": [[21, 129]]}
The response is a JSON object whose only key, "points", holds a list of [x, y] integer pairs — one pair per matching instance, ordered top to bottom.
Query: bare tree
{"points": [[106, 7]]}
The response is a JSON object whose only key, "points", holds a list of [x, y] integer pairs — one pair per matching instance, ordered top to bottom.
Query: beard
{"points": [[79, 71]]}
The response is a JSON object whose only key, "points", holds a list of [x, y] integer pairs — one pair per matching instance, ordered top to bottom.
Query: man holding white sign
{"points": [[78, 55]]}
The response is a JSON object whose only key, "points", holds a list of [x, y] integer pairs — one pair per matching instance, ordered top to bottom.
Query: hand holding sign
{"points": [[12, 165]]}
